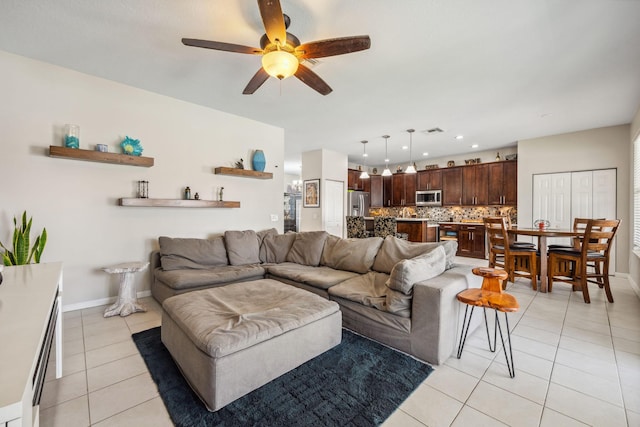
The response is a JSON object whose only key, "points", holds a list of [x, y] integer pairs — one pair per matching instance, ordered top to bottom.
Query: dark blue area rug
{"points": [[357, 383]]}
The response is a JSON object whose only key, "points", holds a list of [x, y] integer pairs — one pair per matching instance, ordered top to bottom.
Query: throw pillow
{"points": [[242, 247], [276, 247], [307, 248], [394, 250], [179, 253], [409, 271]]}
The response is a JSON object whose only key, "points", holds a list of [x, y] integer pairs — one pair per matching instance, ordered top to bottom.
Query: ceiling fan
{"points": [[282, 52]]}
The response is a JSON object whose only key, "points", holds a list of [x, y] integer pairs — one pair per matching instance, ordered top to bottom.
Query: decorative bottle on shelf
{"points": [[72, 136], [498, 158], [259, 161], [187, 193], [220, 194]]}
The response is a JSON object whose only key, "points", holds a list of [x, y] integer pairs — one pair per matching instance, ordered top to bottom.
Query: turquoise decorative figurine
{"points": [[131, 146], [259, 161]]}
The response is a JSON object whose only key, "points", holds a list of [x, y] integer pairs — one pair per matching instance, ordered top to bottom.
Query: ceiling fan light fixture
{"points": [[280, 64]]}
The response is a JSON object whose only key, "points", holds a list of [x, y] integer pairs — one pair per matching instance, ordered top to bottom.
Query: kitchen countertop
{"points": [[430, 223], [461, 223]]}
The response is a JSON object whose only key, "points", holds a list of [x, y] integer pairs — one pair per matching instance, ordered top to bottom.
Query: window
{"points": [[636, 194]]}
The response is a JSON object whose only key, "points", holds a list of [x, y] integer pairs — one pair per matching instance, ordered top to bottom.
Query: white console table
{"points": [[30, 312]]}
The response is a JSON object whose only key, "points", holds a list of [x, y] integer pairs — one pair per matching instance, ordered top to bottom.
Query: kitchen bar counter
{"points": [[418, 229]]}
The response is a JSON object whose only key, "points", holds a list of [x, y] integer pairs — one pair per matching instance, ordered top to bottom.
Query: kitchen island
{"points": [[418, 229]]}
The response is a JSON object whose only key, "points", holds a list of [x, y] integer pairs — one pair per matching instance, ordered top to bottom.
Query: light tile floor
{"points": [[576, 364]]}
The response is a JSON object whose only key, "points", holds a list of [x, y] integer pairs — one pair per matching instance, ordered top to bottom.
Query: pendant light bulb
{"points": [[411, 168], [386, 171], [364, 174]]}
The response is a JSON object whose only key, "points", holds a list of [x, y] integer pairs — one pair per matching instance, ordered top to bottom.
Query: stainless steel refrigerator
{"points": [[358, 203]]}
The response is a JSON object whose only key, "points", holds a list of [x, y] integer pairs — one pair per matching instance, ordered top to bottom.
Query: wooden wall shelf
{"points": [[99, 156], [243, 172], [176, 203]]}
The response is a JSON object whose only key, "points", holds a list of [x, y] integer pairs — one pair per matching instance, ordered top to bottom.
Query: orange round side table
{"points": [[490, 295]]}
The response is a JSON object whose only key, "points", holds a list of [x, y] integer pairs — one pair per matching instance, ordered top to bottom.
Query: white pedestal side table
{"points": [[127, 302]]}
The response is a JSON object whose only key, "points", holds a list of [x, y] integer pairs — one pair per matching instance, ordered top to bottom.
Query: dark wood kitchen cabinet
{"points": [[429, 180], [355, 183], [503, 183], [475, 185], [452, 187], [403, 189], [377, 191], [381, 191], [471, 241]]}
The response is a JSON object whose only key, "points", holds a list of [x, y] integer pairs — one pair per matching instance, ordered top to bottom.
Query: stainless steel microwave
{"points": [[429, 198]]}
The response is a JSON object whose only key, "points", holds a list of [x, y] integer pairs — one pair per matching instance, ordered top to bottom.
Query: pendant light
{"points": [[411, 168], [386, 171], [364, 174]]}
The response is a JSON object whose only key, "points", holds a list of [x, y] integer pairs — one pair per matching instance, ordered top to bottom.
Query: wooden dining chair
{"points": [[579, 224], [518, 261], [571, 265]]}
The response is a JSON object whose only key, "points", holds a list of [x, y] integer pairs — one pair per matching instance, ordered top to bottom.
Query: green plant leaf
{"points": [[21, 243]]}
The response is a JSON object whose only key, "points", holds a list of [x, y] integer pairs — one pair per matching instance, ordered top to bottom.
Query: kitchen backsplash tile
{"points": [[443, 214]]}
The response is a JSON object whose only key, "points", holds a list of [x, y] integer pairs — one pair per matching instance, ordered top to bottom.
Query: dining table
{"points": [[542, 234]]}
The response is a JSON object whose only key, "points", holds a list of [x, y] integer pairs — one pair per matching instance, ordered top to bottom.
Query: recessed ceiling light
{"points": [[459, 136], [474, 146], [405, 147], [425, 154]]}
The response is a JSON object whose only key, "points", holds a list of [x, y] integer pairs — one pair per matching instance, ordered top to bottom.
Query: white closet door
{"points": [[604, 194], [581, 195], [552, 201], [604, 204], [334, 207]]}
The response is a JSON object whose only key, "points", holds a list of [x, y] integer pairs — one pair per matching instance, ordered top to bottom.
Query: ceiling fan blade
{"points": [[273, 21], [227, 47], [332, 47], [311, 79], [256, 81]]}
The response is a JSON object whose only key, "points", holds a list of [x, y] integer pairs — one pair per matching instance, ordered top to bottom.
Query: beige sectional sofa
{"points": [[396, 292]]}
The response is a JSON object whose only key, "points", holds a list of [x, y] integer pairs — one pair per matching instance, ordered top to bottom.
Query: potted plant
{"points": [[22, 252]]}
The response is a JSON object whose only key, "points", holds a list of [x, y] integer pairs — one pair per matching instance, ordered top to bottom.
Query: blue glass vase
{"points": [[258, 161]]}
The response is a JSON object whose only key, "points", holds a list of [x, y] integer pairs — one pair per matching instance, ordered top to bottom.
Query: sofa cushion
{"points": [[261, 235], [242, 247], [276, 247], [307, 248], [394, 250], [181, 253], [355, 255], [409, 271], [319, 277], [186, 279], [367, 289], [398, 303]]}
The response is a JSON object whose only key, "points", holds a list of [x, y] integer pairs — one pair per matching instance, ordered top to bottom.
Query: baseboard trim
{"points": [[99, 302]]}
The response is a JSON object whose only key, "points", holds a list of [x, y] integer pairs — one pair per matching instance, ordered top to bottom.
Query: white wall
{"points": [[601, 148], [323, 164], [77, 200]]}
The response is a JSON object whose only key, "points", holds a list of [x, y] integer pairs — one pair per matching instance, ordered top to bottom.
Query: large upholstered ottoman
{"points": [[230, 340]]}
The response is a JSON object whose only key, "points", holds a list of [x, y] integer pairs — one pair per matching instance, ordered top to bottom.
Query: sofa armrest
{"points": [[436, 314]]}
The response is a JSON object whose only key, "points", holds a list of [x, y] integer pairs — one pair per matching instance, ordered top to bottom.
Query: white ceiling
{"points": [[495, 71]]}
